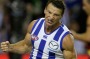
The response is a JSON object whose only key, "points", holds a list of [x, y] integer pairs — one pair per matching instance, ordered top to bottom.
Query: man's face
{"points": [[86, 6], [52, 15]]}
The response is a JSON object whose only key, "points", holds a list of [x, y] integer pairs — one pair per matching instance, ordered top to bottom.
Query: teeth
{"points": [[49, 21]]}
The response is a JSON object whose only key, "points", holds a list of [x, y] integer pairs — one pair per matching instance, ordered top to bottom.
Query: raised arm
{"points": [[22, 46], [68, 46]]}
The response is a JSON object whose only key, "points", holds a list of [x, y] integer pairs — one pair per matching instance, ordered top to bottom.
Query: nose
{"points": [[51, 16]]}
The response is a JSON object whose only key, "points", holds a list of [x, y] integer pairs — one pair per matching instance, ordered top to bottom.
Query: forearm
{"points": [[79, 36], [83, 37], [18, 47], [70, 55], [74, 56]]}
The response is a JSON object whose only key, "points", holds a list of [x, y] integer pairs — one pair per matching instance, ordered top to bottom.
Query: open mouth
{"points": [[50, 22]]}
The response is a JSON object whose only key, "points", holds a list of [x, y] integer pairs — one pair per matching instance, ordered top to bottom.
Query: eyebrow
{"points": [[49, 11]]}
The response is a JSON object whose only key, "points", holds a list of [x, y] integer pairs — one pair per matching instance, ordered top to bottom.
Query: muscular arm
{"points": [[24, 45], [68, 46]]}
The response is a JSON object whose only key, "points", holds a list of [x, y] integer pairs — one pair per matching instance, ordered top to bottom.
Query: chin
{"points": [[48, 24]]}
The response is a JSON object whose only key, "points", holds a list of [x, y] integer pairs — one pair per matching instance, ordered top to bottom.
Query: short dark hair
{"points": [[88, 1], [57, 3]]}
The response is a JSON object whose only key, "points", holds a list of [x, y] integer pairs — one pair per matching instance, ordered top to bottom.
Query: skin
{"points": [[86, 6], [52, 17], [85, 36], [68, 46], [21, 47]]}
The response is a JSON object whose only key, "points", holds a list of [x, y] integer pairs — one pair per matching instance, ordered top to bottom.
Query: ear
{"points": [[45, 11]]}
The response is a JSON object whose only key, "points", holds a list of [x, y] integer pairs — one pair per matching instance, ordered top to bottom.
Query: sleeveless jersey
{"points": [[47, 46]]}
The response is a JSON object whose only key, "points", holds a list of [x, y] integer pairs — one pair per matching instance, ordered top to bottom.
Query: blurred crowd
{"points": [[15, 15]]}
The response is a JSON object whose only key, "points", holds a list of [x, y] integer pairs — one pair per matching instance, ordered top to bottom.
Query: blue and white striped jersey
{"points": [[47, 46]]}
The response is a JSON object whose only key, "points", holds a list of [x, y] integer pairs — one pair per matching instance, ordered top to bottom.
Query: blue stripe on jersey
{"points": [[35, 25], [62, 25], [38, 28], [33, 29], [36, 32], [57, 35], [62, 39], [32, 42], [41, 48], [31, 54], [51, 55], [30, 57]]}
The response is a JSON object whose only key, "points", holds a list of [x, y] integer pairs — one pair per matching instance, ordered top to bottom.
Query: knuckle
{"points": [[2, 43], [1, 48], [4, 49]]}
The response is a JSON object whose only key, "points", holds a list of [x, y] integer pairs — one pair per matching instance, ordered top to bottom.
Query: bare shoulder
{"points": [[31, 25], [28, 35], [68, 43], [68, 46]]}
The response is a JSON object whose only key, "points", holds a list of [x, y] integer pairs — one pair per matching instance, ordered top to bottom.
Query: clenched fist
{"points": [[5, 46]]}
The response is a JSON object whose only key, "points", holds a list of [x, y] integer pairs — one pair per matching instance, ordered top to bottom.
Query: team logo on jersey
{"points": [[45, 36], [34, 37], [53, 45]]}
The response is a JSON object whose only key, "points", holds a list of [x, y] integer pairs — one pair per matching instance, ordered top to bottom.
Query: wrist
{"points": [[10, 47]]}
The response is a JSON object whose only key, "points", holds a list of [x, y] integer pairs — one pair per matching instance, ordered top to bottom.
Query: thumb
{"points": [[7, 42]]}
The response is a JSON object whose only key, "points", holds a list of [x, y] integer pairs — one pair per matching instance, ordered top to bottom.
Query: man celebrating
{"points": [[50, 39]]}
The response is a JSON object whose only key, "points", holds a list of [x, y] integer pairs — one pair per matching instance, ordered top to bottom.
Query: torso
{"points": [[47, 46]]}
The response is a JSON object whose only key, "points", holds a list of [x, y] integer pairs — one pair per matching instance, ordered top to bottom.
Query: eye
{"points": [[49, 12], [56, 15]]}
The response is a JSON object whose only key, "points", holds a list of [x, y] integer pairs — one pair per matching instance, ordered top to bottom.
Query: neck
{"points": [[49, 29]]}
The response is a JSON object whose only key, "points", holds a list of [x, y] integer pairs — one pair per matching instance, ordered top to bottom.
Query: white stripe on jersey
{"points": [[37, 25]]}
